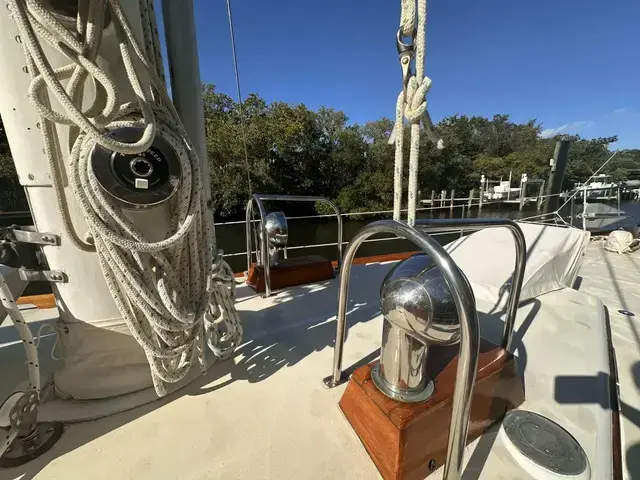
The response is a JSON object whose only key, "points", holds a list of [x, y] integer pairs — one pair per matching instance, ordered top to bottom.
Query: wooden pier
{"points": [[485, 196]]}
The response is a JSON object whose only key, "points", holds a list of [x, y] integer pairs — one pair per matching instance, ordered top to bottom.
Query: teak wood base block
{"points": [[291, 272], [409, 441]]}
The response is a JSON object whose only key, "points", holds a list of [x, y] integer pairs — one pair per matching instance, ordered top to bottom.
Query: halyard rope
{"points": [[412, 105]]}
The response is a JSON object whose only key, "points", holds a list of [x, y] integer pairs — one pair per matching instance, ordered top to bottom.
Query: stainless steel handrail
{"points": [[258, 198], [438, 225], [469, 330]]}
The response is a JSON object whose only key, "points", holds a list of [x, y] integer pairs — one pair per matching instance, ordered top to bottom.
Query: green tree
{"points": [[261, 147], [586, 156]]}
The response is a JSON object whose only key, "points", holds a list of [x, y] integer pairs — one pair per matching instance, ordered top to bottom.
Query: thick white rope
{"points": [[408, 17], [151, 37], [412, 105], [398, 138], [173, 295]]}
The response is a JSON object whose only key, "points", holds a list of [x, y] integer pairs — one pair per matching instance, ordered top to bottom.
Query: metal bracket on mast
{"points": [[14, 234], [21, 249], [55, 276]]}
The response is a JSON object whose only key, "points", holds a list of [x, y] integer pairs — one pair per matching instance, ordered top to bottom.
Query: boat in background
{"points": [[602, 187], [503, 191], [599, 217]]}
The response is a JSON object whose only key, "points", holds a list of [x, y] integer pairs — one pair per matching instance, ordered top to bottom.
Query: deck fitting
{"points": [[545, 443]]}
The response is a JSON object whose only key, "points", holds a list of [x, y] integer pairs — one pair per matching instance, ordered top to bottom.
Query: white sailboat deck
{"points": [[615, 279], [265, 414]]}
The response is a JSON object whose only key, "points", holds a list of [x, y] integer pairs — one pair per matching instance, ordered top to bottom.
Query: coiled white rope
{"points": [[151, 38], [412, 105], [173, 294]]}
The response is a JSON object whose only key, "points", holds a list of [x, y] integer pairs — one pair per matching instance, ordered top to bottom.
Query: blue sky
{"points": [[572, 65]]}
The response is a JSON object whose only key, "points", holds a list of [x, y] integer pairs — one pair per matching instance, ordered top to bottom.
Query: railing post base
{"points": [[329, 381]]}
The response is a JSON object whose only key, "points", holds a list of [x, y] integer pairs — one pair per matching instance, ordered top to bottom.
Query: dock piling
{"points": [[556, 175], [523, 189], [541, 198]]}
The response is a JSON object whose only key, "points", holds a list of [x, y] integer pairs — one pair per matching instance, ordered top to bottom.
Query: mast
{"points": [[184, 71], [556, 175], [85, 305], [101, 358]]}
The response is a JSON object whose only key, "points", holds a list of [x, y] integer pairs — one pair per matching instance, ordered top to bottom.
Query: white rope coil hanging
{"points": [[412, 105], [173, 294]]}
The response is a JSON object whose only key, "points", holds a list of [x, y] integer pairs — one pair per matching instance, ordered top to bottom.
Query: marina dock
{"points": [[513, 196]]}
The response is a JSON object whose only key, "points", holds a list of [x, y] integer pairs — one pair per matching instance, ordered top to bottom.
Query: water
{"points": [[231, 238]]}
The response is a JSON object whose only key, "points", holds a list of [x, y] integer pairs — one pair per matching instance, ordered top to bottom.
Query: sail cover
{"points": [[487, 257]]}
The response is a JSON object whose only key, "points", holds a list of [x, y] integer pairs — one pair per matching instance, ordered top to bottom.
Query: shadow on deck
{"points": [[286, 329]]}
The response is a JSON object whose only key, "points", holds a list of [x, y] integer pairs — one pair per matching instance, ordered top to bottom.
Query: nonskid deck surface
{"points": [[615, 279], [262, 414], [265, 414]]}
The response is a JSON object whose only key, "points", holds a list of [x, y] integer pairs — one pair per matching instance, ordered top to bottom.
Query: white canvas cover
{"points": [[620, 241], [487, 257], [86, 348]]}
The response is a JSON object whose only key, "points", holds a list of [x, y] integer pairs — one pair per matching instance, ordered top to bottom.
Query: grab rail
{"points": [[258, 198], [436, 226], [463, 297], [469, 330]]}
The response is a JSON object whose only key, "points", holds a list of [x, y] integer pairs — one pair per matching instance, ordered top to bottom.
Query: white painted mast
{"points": [[87, 310], [101, 360]]}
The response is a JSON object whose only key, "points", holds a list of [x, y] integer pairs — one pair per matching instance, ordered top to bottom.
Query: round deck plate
{"points": [[545, 443]]}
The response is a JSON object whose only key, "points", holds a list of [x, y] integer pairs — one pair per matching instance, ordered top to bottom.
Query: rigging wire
{"points": [[242, 122], [585, 182]]}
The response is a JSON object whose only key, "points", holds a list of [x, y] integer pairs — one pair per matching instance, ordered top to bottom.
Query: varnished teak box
{"points": [[291, 272], [408, 441]]}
